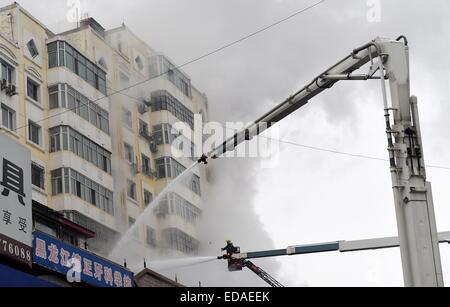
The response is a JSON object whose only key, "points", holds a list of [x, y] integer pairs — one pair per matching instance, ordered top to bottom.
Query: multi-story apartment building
{"points": [[102, 145]]}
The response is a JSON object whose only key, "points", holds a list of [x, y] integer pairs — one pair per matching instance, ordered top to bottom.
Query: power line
{"points": [[190, 61], [328, 150], [344, 153]]}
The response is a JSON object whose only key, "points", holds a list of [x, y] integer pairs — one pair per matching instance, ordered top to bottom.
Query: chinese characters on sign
{"points": [[13, 180], [15, 200], [21, 222], [59, 256]]}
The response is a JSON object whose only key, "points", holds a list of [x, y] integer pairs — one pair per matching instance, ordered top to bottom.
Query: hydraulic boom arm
{"points": [[341, 71], [416, 223], [261, 273]]}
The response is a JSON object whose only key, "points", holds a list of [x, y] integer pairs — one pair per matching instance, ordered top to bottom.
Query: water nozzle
{"points": [[203, 159]]}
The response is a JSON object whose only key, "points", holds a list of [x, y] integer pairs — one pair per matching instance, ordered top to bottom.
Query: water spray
{"points": [[145, 215]]}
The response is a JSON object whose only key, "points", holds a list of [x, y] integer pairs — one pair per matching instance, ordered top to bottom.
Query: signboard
{"points": [[15, 200], [64, 258]]}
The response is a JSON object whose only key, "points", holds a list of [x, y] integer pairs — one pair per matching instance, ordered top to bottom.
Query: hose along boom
{"points": [[389, 62]]}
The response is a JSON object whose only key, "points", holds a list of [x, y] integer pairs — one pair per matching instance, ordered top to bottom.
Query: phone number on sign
{"points": [[14, 250]]}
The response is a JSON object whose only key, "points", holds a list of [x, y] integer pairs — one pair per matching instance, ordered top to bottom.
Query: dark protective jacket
{"points": [[229, 248]]}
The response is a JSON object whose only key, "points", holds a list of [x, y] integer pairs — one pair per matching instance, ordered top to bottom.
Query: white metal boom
{"points": [[412, 193]]}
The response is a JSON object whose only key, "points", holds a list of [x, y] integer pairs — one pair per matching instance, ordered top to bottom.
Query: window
{"points": [[32, 48], [52, 54], [62, 54], [139, 63], [7, 72], [90, 74], [181, 81], [184, 87], [32, 90], [53, 97], [162, 100], [79, 104], [94, 114], [8, 118], [127, 118], [143, 128], [34, 133], [163, 134], [166, 134], [55, 139], [80, 145], [129, 152], [146, 166], [163, 167], [167, 167], [37, 176], [77, 184], [195, 184], [57, 185], [131, 189], [148, 198], [174, 204], [131, 221], [40, 225], [151, 240], [180, 241]]}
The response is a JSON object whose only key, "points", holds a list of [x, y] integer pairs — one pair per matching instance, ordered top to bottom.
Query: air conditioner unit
{"points": [[4, 84], [11, 90], [148, 103], [143, 109]]}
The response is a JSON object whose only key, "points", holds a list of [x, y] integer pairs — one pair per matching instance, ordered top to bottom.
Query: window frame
{"points": [[32, 48], [7, 72], [36, 90], [11, 117], [127, 118], [32, 125], [129, 153], [35, 166], [72, 182], [131, 190], [150, 198], [150, 236]]}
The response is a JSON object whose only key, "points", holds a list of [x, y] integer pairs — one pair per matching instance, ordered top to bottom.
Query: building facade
{"points": [[100, 111]]}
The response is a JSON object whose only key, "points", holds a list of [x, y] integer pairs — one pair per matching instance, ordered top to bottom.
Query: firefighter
{"points": [[229, 248]]}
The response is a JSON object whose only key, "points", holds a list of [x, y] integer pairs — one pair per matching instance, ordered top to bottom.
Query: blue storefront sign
{"points": [[74, 262], [10, 277]]}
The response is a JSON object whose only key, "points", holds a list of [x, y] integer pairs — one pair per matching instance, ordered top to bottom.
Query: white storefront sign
{"points": [[15, 200]]}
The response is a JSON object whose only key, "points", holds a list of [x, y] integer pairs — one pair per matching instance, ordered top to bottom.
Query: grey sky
{"points": [[310, 196]]}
